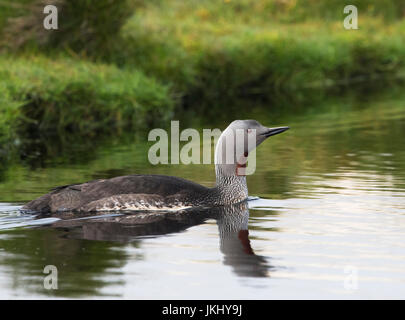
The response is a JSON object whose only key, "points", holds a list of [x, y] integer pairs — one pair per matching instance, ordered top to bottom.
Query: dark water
{"points": [[329, 223]]}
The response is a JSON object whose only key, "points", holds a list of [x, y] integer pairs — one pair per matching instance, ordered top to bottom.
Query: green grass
{"points": [[212, 50], [174, 54], [68, 95]]}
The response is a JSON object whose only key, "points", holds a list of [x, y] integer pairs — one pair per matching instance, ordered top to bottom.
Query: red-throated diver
{"points": [[158, 192]]}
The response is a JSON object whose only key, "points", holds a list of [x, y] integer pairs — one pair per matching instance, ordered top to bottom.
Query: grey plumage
{"points": [[154, 192]]}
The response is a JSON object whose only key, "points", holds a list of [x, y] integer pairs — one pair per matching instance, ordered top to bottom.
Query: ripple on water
{"points": [[11, 217]]}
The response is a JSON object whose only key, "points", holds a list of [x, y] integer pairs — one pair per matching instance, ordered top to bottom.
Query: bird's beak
{"points": [[273, 131]]}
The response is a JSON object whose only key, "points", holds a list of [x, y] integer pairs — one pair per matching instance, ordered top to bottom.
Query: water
{"points": [[326, 218]]}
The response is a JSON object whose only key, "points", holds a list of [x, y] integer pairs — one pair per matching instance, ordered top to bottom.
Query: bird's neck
{"points": [[231, 184], [231, 188]]}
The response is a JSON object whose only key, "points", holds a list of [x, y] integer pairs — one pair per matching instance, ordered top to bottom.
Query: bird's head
{"points": [[237, 141]]}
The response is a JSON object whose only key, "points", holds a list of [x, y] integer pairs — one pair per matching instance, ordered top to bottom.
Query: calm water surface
{"points": [[326, 218]]}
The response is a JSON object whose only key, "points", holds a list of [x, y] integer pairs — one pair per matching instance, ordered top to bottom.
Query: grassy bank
{"points": [[213, 49], [135, 68], [68, 95]]}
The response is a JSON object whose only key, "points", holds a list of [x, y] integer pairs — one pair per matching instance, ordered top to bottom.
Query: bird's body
{"points": [[132, 192], [151, 192]]}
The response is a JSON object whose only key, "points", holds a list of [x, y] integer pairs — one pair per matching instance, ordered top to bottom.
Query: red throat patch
{"points": [[241, 168]]}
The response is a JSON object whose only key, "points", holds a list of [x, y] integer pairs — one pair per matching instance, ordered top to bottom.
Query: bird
{"points": [[161, 192]]}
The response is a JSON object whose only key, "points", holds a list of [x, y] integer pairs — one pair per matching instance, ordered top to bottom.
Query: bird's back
{"points": [[118, 192]]}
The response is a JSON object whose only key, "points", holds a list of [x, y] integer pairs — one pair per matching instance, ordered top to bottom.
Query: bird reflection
{"points": [[232, 224], [235, 245]]}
